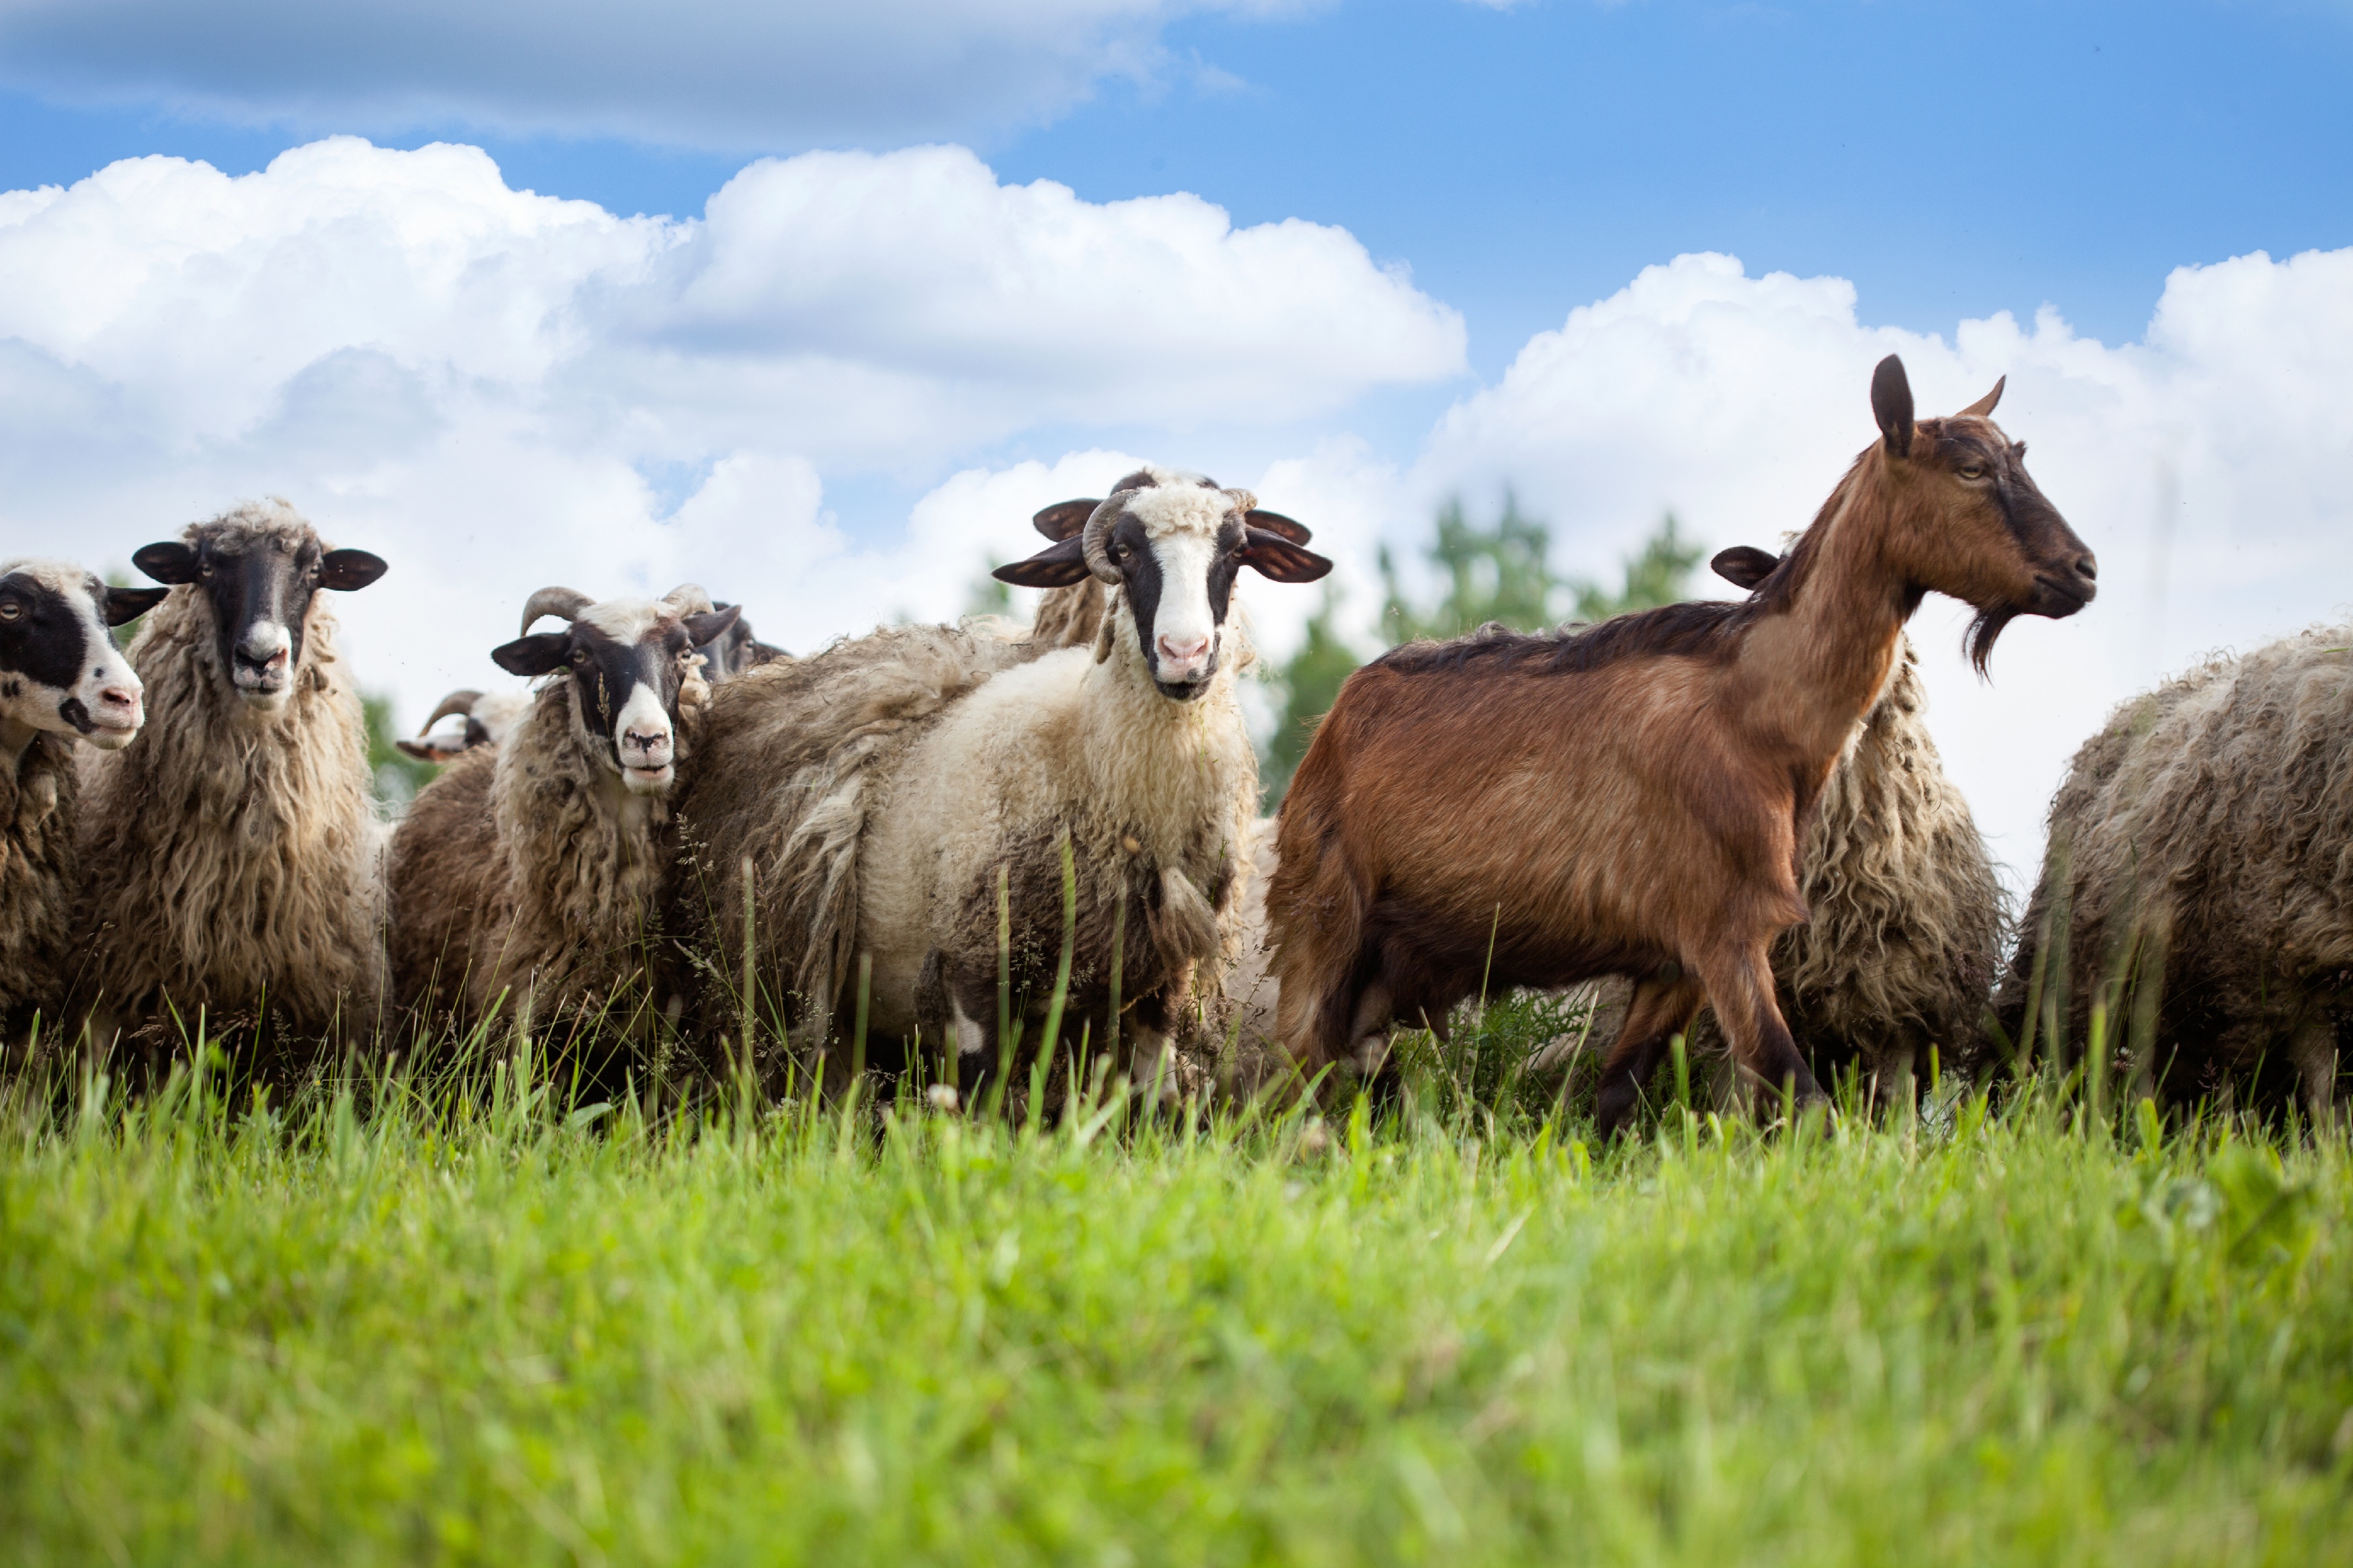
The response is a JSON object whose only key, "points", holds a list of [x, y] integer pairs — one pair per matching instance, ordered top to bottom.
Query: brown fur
{"points": [[1632, 799], [39, 805], [229, 859], [529, 870], [2200, 878]]}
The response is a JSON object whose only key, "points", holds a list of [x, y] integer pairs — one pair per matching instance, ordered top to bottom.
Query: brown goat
{"points": [[1508, 810]]}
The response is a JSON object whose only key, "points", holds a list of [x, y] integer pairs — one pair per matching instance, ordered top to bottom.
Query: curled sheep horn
{"points": [[1245, 502], [1096, 543], [689, 599], [562, 602], [460, 702]]}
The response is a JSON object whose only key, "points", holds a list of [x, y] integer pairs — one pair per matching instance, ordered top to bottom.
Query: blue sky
{"points": [[1951, 159], [1439, 248]]}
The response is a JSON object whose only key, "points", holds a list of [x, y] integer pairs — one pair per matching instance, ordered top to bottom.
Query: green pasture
{"points": [[385, 1324]]}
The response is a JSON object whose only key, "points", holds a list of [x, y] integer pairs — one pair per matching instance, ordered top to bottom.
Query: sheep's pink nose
{"points": [[1185, 653], [124, 698], [639, 740]]}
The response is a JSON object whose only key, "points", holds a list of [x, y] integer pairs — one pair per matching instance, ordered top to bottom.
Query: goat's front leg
{"points": [[1740, 988], [1663, 1005]]}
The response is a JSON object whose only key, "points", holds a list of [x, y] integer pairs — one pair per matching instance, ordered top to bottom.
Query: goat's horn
{"points": [[1095, 542], [689, 599], [563, 602], [455, 702]]}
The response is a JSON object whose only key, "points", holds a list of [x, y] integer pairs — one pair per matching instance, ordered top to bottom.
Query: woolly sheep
{"points": [[61, 680], [881, 786], [232, 856], [537, 864], [2200, 873]]}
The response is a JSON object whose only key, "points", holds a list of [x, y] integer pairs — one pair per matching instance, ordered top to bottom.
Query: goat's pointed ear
{"points": [[1891, 401], [1985, 405], [1064, 519], [1274, 523], [1276, 557], [169, 561], [1057, 566], [1745, 566], [349, 571], [128, 603], [701, 629], [539, 654]]}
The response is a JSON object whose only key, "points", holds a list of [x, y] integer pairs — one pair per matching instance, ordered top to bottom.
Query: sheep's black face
{"points": [[260, 583], [733, 651], [626, 660], [60, 670]]}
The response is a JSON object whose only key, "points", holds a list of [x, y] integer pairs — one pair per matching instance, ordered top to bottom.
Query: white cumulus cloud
{"points": [[730, 74], [496, 389]]}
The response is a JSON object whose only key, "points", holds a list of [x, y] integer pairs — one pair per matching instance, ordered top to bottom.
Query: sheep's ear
{"points": [[1891, 403], [1985, 405], [1064, 519], [1274, 523], [1276, 557], [170, 561], [1056, 566], [1745, 566], [349, 571], [124, 605], [701, 629], [542, 653], [427, 752]]}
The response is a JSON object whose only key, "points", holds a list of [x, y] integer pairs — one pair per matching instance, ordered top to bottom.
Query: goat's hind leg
{"points": [[1740, 988], [1662, 1007]]}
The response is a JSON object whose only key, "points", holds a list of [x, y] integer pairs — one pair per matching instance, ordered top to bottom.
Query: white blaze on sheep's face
{"points": [[1176, 546], [59, 669], [626, 673]]}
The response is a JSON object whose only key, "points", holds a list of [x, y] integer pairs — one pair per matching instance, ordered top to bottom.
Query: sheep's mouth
{"points": [[1181, 690], [109, 737], [644, 780]]}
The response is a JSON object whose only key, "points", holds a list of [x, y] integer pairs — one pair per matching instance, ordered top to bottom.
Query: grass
{"points": [[490, 1332]]}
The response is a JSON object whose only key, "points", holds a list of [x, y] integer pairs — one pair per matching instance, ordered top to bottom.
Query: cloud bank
{"points": [[735, 75], [498, 390]]}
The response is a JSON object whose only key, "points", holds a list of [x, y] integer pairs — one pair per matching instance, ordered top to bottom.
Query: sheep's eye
{"points": [[1971, 470], [11, 611], [580, 655]]}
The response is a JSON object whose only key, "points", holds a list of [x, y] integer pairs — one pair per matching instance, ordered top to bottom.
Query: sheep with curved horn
{"points": [[881, 786], [539, 863]]}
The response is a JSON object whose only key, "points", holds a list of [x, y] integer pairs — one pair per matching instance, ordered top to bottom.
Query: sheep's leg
{"points": [[1740, 988], [1662, 1007], [2315, 1052]]}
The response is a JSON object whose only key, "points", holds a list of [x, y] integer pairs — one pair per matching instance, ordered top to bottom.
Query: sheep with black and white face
{"points": [[61, 680], [898, 794]]}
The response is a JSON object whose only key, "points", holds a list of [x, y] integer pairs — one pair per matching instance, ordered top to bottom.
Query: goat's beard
{"points": [[1977, 641]]}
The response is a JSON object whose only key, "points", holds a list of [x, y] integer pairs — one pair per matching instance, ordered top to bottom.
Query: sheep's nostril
{"points": [[2089, 568]]}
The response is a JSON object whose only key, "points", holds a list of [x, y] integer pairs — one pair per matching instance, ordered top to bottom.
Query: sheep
{"points": [[61, 680], [490, 717], [880, 788], [1536, 811], [232, 857], [538, 864], [2198, 880]]}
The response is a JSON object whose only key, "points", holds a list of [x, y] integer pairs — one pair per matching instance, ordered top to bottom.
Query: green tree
{"points": [[1502, 574], [1658, 574], [986, 595], [1309, 682], [399, 776]]}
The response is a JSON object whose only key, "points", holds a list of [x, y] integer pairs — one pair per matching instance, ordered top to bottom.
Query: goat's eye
{"points": [[1971, 470]]}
